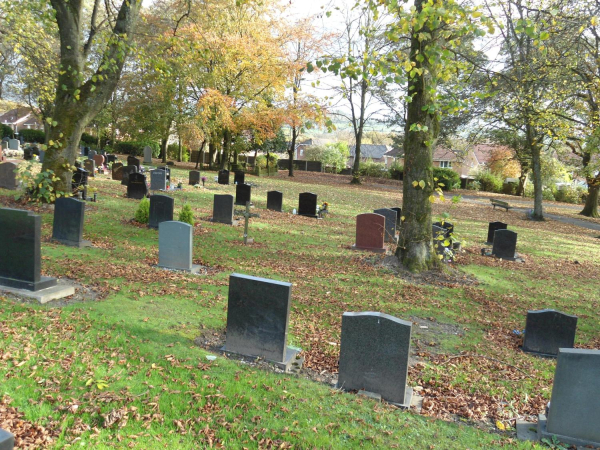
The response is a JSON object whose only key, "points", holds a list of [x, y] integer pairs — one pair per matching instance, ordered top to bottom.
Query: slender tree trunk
{"points": [[364, 86], [226, 148], [163, 149], [179, 150], [292, 152], [211, 154], [356, 164], [536, 166], [521, 187], [591, 202]]}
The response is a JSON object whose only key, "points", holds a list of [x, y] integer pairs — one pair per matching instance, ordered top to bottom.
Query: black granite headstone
{"points": [[111, 159], [133, 161], [117, 171], [125, 172], [194, 177], [223, 177], [239, 177], [80, 178], [137, 187], [243, 193], [275, 201], [307, 204], [161, 209], [223, 209], [69, 216], [398, 216], [391, 218], [447, 226], [492, 227], [505, 244], [20, 258], [547, 330], [374, 353]]}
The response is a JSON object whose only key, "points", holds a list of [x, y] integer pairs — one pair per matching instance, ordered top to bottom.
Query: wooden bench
{"points": [[500, 204]]}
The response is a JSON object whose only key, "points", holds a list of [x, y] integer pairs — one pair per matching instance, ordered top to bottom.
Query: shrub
{"points": [[6, 131], [37, 136], [88, 139], [135, 148], [173, 151], [333, 156], [261, 161], [370, 168], [396, 171], [448, 177], [489, 182], [39, 186], [474, 186], [547, 193], [569, 194], [142, 215], [186, 215]]}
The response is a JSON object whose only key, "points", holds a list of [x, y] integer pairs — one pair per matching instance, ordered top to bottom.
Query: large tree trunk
{"points": [[163, 149], [292, 152], [591, 202], [415, 248]]}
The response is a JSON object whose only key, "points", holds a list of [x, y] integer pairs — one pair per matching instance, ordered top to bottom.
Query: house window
{"points": [[301, 152], [446, 164]]}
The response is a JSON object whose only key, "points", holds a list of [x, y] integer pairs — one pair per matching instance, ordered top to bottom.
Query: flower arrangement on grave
{"points": [[203, 181], [323, 209]]}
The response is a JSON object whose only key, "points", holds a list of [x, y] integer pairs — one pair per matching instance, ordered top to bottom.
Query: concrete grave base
{"points": [[81, 244], [368, 249], [488, 252], [195, 268], [43, 295], [289, 362], [409, 398], [526, 431]]}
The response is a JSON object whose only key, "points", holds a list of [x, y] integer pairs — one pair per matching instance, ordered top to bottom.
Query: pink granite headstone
{"points": [[99, 160], [370, 229]]}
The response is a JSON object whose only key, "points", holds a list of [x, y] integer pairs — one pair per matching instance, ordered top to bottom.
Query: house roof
{"points": [[19, 116], [314, 141], [370, 151], [394, 152], [483, 152], [444, 154]]}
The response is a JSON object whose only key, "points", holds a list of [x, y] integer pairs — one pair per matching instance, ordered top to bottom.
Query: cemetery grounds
{"points": [[123, 363]]}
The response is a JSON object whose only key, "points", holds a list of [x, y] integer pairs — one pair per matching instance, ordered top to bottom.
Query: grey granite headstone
{"points": [[14, 144], [91, 154], [42, 155], [147, 155], [133, 161], [90, 166], [117, 171], [125, 172], [8, 177], [194, 177], [223, 177], [239, 177], [158, 180], [137, 187], [243, 193], [275, 201], [307, 204], [223, 209], [161, 210], [69, 216], [398, 216], [391, 217], [492, 228], [505, 244], [175, 246], [20, 259], [258, 312], [547, 330], [374, 353], [574, 413], [7, 440]]}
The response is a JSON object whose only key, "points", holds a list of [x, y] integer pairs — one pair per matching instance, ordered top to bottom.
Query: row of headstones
{"points": [[11, 144]]}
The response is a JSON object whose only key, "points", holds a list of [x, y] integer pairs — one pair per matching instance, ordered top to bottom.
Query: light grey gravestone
{"points": [[14, 144], [147, 155], [8, 177], [158, 180], [223, 209], [68, 222], [390, 223], [175, 246], [258, 312], [547, 330], [374, 353], [574, 413], [7, 440]]}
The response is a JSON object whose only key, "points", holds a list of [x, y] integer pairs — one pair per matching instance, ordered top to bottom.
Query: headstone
{"points": [[13, 144], [5, 145], [86, 151], [91, 154], [42, 155], [147, 155], [111, 159], [99, 160], [133, 161], [90, 166], [117, 171], [167, 171], [125, 172], [8, 177], [194, 177], [223, 177], [239, 177], [80, 178], [158, 180], [137, 187], [243, 192], [275, 201], [307, 204], [223, 209], [161, 210], [398, 217], [68, 222], [390, 223], [447, 226], [492, 227], [370, 231], [439, 237], [505, 244], [175, 245], [21, 260], [258, 312], [547, 330], [374, 353], [574, 413], [7, 440]]}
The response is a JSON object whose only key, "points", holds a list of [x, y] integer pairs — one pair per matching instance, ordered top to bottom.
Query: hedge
{"points": [[6, 131], [37, 136], [135, 148]]}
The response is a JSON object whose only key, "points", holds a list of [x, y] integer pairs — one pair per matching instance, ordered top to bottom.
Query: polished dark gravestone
{"points": [[111, 159], [133, 161], [90, 166], [117, 171], [167, 171], [125, 172], [8, 177], [194, 177], [223, 177], [239, 177], [79, 178], [158, 180], [137, 187], [243, 194], [275, 201], [307, 204], [223, 209], [161, 210], [69, 214], [398, 216], [390, 223], [447, 226], [492, 228], [370, 231], [439, 239], [505, 244], [175, 246], [20, 258], [258, 312], [547, 330], [374, 353], [574, 412], [7, 440]]}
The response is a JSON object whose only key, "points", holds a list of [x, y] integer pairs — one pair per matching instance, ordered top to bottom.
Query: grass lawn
{"points": [[126, 369]]}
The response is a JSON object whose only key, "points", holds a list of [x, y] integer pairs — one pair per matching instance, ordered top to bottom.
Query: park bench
{"points": [[500, 204]]}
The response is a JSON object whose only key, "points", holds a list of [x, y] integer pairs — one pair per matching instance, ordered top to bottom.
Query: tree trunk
{"points": [[226, 147], [163, 149], [179, 151], [292, 152], [211, 154], [356, 165], [536, 166], [521, 187], [591, 202], [415, 248]]}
